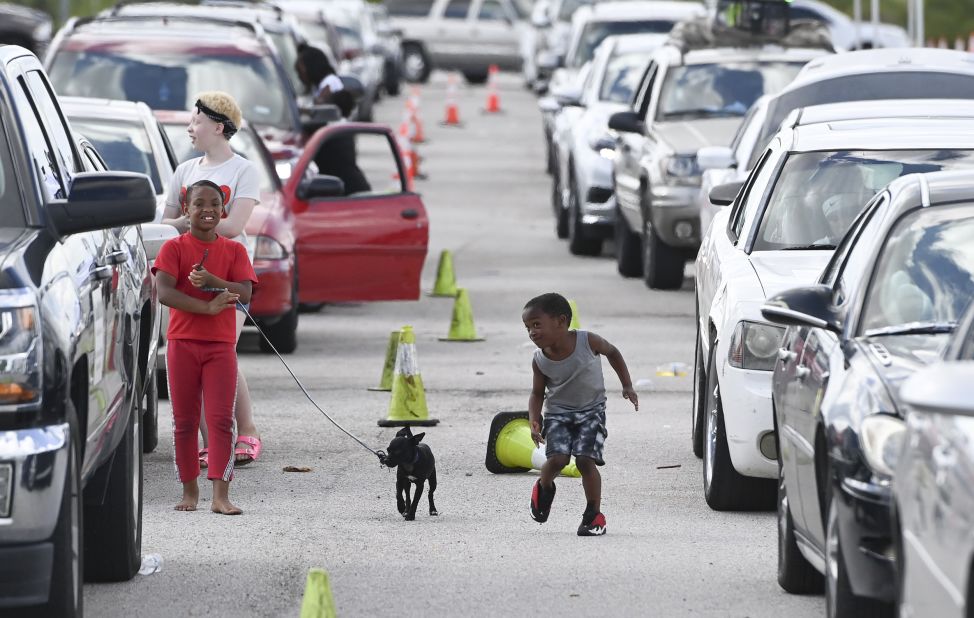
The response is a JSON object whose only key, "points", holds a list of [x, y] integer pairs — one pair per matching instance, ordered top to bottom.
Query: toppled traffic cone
{"points": [[493, 99], [412, 108], [452, 118], [446, 283], [575, 323], [461, 326], [385, 382], [407, 406], [511, 449], [318, 601]]}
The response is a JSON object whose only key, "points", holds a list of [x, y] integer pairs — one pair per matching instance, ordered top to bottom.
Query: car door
{"points": [[494, 34], [450, 42], [626, 165], [369, 244]]}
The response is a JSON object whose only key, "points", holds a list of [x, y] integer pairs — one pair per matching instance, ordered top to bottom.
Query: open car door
{"points": [[361, 234]]}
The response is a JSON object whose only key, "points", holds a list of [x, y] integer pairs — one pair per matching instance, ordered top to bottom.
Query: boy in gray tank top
{"points": [[568, 378]]}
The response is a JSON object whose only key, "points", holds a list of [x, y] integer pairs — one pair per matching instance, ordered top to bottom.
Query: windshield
{"points": [[568, 7], [595, 32], [622, 76], [171, 81], [715, 90], [243, 143], [123, 145], [818, 194], [11, 208], [925, 272]]}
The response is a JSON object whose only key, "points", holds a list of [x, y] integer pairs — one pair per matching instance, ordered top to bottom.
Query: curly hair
{"points": [[222, 103], [552, 304]]}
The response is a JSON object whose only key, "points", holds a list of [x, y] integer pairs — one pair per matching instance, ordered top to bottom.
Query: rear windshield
{"points": [[595, 32], [170, 81], [716, 90], [243, 143], [124, 146], [11, 206]]}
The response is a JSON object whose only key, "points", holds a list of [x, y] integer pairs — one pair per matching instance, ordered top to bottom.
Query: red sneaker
{"points": [[541, 500], [592, 527]]}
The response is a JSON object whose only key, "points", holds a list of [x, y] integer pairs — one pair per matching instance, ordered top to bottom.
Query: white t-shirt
{"points": [[333, 82], [235, 176]]}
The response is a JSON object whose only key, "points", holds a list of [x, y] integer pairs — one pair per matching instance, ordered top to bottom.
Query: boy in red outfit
{"points": [[201, 357]]}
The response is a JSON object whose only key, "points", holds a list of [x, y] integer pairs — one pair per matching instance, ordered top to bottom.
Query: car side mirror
{"points": [[549, 61], [549, 104], [317, 116], [627, 122], [715, 158], [321, 186], [724, 195], [104, 200], [154, 235], [805, 306], [942, 388]]}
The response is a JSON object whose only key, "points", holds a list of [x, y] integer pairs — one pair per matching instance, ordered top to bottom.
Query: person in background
{"points": [[317, 74]]}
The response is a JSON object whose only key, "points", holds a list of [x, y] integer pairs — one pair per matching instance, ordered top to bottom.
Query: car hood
{"points": [[688, 136], [780, 270], [897, 357]]}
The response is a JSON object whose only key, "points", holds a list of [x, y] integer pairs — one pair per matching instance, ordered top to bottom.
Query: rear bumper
{"points": [[274, 295], [865, 529]]}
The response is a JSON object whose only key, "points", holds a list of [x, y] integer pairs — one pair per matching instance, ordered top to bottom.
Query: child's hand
{"points": [[201, 278], [223, 301], [630, 393], [536, 433]]}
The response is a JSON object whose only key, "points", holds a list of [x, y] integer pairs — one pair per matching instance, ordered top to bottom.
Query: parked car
{"points": [[551, 23], [24, 26], [463, 35], [846, 36], [390, 41], [164, 62], [854, 76], [686, 99], [127, 138], [817, 174], [585, 205], [270, 234], [76, 297], [882, 310], [930, 455]]}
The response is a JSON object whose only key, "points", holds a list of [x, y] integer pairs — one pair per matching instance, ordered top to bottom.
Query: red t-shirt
{"points": [[227, 260]]}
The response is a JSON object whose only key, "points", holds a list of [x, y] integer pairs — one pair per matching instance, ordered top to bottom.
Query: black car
{"points": [[895, 287]]}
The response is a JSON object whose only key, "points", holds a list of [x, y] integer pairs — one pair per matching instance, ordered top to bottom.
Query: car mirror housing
{"points": [[317, 116], [627, 122], [715, 158], [321, 186], [724, 195], [104, 200], [805, 306], [942, 388]]}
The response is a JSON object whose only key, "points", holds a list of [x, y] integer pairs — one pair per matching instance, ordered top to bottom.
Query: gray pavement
{"points": [[666, 553]]}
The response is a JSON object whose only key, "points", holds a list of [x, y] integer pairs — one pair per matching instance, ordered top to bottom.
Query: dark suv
{"points": [[75, 300]]}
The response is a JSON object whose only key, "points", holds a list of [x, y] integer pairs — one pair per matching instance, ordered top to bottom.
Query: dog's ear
{"points": [[405, 432], [418, 437]]}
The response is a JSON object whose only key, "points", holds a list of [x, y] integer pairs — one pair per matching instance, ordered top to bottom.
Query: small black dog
{"points": [[416, 465]]}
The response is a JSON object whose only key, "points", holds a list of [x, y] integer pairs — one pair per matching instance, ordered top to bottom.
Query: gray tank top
{"points": [[574, 384]]}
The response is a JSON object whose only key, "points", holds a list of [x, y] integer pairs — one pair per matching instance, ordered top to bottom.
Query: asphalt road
{"points": [[666, 553]]}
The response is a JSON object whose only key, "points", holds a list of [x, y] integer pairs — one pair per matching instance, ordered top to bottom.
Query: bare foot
{"points": [[191, 496], [224, 507]]}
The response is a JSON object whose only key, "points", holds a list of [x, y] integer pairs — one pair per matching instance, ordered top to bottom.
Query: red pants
{"points": [[207, 368]]}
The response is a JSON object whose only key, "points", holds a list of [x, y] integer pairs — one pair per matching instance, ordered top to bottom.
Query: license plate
{"points": [[6, 487]]}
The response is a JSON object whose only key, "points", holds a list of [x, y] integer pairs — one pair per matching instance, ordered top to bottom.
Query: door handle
{"points": [[409, 213], [114, 258], [102, 273], [786, 355], [801, 371]]}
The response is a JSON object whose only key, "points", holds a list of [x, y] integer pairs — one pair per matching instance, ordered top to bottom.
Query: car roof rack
{"points": [[196, 19]]}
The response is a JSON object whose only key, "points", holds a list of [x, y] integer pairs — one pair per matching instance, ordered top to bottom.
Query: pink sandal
{"points": [[250, 452], [204, 458]]}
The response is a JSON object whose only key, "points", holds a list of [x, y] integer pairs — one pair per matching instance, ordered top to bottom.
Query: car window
{"points": [[409, 8], [568, 8], [457, 9], [492, 10], [798, 12], [596, 31], [287, 49], [621, 77], [715, 90], [54, 123], [245, 144], [123, 145], [41, 150], [365, 162], [753, 193], [819, 194], [11, 205], [848, 266], [925, 270], [967, 348]]}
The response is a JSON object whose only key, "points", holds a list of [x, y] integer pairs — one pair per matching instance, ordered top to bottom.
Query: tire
{"points": [[416, 67], [475, 77], [392, 78], [561, 215], [580, 241], [629, 249], [662, 264], [283, 333], [162, 382], [698, 412], [150, 418], [724, 488], [113, 532], [795, 574]]}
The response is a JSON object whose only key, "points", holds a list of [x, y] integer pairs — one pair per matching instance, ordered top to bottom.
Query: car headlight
{"points": [[604, 144], [682, 166], [284, 169], [265, 248], [755, 346], [20, 348], [881, 437]]}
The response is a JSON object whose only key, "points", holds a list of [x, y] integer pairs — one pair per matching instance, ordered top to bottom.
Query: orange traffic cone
{"points": [[970, 43], [942, 44], [959, 44], [493, 99], [412, 106], [452, 118], [407, 131], [406, 150]]}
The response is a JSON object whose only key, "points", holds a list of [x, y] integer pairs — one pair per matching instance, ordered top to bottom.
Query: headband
{"points": [[229, 128]]}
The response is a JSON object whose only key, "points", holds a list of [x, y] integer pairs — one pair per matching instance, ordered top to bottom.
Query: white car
{"points": [[552, 20], [845, 36], [808, 186], [585, 213]]}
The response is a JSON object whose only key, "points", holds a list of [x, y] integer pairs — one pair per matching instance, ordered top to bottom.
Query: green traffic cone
{"points": [[446, 283], [574, 325], [461, 326], [385, 382], [407, 405], [318, 601]]}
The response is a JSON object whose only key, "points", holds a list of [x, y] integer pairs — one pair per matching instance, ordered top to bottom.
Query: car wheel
{"points": [[415, 64], [475, 77], [392, 78], [561, 215], [580, 241], [629, 261], [662, 264], [283, 334], [162, 382], [699, 388], [150, 418], [725, 489], [113, 529], [795, 574], [840, 601]]}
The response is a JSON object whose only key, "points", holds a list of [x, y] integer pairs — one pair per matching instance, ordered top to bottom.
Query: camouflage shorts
{"points": [[581, 434]]}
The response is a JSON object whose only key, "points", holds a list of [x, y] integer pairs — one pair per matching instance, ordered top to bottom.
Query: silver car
{"points": [[934, 483]]}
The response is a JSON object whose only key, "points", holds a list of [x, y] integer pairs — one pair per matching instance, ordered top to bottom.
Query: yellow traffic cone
{"points": [[446, 283], [574, 323], [461, 326], [385, 382], [407, 407], [511, 449], [317, 601]]}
